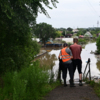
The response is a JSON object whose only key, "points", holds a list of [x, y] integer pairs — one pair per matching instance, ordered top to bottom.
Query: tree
{"points": [[69, 29], [44, 31], [81, 31], [95, 32], [58, 33], [98, 44], [16, 46]]}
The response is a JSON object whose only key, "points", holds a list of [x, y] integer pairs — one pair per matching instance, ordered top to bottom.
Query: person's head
{"points": [[75, 40], [65, 45]]}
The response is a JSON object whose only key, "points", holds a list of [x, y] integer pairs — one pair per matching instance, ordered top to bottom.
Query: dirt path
{"points": [[84, 92]]}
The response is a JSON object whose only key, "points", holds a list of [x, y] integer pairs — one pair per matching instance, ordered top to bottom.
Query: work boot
{"points": [[65, 83], [71, 83], [80, 83]]}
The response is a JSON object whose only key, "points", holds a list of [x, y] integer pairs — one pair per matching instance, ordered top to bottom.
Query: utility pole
{"points": [[97, 23], [65, 32]]}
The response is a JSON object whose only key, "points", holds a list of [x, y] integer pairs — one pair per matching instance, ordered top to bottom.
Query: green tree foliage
{"points": [[69, 29], [44, 31], [64, 31], [81, 32], [94, 32], [58, 34], [98, 44], [16, 46]]}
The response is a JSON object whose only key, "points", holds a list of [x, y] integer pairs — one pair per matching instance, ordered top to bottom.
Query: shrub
{"points": [[83, 41], [98, 44], [92, 83], [28, 84]]}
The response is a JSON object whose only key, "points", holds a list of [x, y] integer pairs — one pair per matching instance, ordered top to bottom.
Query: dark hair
{"points": [[75, 40], [65, 44]]}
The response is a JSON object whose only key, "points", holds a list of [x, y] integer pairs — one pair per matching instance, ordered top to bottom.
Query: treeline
{"points": [[79, 31]]}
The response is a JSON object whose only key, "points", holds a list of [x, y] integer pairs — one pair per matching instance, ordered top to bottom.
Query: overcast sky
{"points": [[73, 13]]}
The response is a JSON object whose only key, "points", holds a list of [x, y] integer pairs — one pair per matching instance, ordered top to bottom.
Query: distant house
{"points": [[75, 30], [88, 34], [98, 34], [68, 35], [81, 36], [75, 37], [49, 42]]}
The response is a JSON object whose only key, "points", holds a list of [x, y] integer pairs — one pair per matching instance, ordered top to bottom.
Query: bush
{"points": [[82, 41], [69, 43], [98, 44], [14, 56], [28, 84]]}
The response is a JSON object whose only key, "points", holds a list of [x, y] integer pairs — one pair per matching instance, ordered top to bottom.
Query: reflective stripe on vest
{"points": [[65, 56]]}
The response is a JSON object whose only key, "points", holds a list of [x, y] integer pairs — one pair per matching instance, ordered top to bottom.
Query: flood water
{"points": [[51, 62]]}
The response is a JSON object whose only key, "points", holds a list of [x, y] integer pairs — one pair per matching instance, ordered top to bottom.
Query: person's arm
{"points": [[70, 53], [59, 55], [71, 57]]}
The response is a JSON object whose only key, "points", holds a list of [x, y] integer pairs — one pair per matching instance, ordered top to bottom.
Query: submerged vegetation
{"points": [[86, 40]]}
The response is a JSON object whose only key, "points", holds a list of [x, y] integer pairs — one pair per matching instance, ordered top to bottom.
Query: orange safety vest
{"points": [[65, 56]]}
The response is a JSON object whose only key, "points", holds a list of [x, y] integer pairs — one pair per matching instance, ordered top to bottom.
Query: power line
{"points": [[92, 7]]}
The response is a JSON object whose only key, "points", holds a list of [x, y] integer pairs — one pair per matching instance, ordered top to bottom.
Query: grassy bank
{"points": [[31, 83], [96, 87]]}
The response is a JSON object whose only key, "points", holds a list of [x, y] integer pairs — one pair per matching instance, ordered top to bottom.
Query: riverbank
{"points": [[41, 53]]}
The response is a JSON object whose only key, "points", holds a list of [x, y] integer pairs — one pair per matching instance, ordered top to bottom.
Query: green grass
{"points": [[31, 83], [95, 86]]}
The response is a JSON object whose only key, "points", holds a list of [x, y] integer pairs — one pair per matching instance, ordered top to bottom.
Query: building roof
{"points": [[75, 30], [88, 34], [81, 36], [49, 42]]}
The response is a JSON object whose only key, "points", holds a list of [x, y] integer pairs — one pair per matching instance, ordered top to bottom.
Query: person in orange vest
{"points": [[66, 56], [77, 62]]}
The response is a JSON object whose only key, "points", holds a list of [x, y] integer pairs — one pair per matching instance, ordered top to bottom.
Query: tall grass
{"points": [[28, 84]]}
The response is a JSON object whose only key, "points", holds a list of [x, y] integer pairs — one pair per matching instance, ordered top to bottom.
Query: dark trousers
{"points": [[77, 63], [68, 67]]}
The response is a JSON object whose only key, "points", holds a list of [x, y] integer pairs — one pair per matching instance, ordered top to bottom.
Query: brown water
{"points": [[51, 62]]}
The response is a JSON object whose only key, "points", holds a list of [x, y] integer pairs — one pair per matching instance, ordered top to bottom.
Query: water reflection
{"points": [[86, 53], [47, 61]]}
